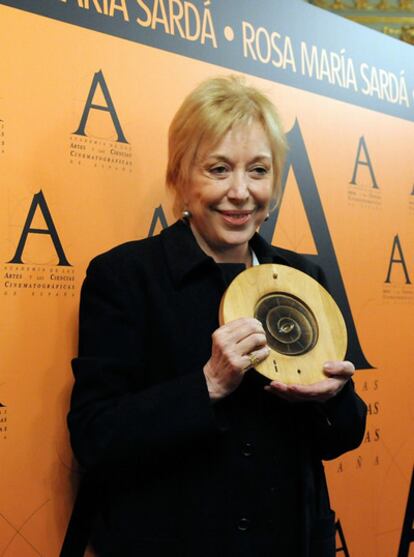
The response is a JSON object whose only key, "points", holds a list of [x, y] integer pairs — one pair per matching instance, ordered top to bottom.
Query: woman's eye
{"points": [[218, 170], [259, 170]]}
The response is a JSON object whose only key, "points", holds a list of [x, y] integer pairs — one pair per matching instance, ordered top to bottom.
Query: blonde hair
{"points": [[204, 118]]}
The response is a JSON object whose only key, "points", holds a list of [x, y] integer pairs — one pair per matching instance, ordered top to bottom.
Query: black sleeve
{"points": [[112, 419], [336, 426]]}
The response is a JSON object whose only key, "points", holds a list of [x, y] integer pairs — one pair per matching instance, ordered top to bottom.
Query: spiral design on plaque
{"points": [[290, 326]]}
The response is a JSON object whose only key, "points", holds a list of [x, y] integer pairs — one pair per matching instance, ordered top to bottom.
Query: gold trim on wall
{"points": [[366, 5], [381, 19], [395, 19]]}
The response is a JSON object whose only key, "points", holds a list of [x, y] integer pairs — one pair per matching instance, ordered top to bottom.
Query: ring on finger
{"points": [[254, 360]]}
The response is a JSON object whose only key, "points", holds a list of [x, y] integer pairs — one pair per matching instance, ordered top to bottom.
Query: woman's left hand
{"points": [[337, 375]]}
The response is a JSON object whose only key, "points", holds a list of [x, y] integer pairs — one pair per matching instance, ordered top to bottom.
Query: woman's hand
{"points": [[236, 347], [337, 375]]}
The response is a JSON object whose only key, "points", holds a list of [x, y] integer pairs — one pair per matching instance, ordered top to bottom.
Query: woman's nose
{"points": [[238, 189]]}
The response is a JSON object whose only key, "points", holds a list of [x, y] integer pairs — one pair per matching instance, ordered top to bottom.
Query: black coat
{"points": [[167, 472]]}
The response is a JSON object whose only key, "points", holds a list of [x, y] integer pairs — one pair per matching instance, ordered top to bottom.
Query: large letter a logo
{"points": [[99, 81], [298, 161], [39, 202]]}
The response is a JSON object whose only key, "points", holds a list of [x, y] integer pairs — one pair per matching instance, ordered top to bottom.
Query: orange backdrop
{"points": [[90, 192]]}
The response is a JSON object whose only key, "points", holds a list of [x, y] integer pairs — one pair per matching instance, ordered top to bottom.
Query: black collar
{"points": [[184, 255]]}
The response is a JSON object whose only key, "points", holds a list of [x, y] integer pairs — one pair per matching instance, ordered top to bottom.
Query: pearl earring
{"points": [[186, 214]]}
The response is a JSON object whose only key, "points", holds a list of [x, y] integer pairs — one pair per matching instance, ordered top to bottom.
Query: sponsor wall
{"points": [[87, 90]]}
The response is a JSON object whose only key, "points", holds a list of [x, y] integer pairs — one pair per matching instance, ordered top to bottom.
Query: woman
{"points": [[187, 450]]}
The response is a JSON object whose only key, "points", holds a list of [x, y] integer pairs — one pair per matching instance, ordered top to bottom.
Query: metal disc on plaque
{"points": [[304, 327]]}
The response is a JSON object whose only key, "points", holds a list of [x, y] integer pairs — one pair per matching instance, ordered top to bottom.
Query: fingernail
{"points": [[328, 366]]}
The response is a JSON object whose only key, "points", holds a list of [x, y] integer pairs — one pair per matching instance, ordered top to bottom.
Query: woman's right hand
{"points": [[236, 347]]}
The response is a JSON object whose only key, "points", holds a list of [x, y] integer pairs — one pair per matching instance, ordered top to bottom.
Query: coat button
{"points": [[247, 449], [243, 524]]}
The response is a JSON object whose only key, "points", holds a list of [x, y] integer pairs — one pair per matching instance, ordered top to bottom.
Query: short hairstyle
{"points": [[204, 118]]}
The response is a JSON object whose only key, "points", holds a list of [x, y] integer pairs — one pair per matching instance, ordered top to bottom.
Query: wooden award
{"points": [[304, 326]]}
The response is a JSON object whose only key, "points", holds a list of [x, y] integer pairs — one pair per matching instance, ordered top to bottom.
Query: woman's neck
{"points": [[232, 254]]}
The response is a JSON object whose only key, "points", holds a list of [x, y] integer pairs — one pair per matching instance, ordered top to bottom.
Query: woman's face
{"points": [[229, 191]]}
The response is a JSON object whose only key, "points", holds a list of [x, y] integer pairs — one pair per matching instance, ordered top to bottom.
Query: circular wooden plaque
{"points": [[304, 326]]}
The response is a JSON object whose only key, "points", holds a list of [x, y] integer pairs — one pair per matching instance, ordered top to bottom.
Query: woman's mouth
{"points": [[236, 218]]}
